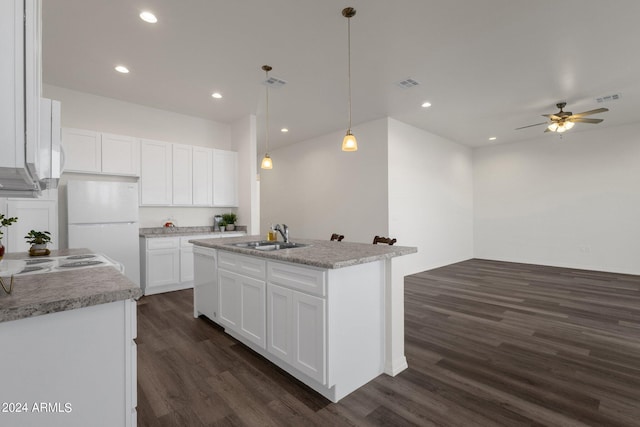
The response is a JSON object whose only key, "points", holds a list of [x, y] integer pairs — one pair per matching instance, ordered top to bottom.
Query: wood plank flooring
{"points": [[488, 344]]}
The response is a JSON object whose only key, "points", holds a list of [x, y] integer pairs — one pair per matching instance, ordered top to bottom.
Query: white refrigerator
{"points": [[103, 216]]}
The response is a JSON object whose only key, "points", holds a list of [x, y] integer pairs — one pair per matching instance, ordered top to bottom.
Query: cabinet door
{"points": [[82, 149], [120, 155], [155, 173], [182, 174], [202, 176], [225, 178], [39, 215], [163, 267], [205, 285], [229, 299], [242, 303], [280, 322], [309, 335]]}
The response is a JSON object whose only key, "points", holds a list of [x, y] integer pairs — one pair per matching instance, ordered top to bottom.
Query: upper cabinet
{"points": [[100, 153], [120, 155], [156, 165], [182, 174], [202, 176], [225, 178]]}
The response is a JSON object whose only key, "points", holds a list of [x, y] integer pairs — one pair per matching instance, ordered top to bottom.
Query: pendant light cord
{"points": [[349, 65], [267, 119]]}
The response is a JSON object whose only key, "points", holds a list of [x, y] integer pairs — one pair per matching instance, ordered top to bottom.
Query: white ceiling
{"points": [[487, 66]]}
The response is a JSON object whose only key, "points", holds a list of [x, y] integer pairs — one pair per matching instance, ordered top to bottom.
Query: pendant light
{"points": [[349, 142], [267, 163]]}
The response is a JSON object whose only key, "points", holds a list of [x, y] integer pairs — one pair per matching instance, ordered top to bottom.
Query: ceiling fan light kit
{"points": [[562, 121]]}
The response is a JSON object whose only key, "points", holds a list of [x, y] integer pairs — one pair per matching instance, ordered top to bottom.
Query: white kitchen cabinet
{"points": [[83, 150], [87, 151], [120, 155], [155, 173], [202, 176], [225, 178], [182, 182], [38, 214], [168, 262], [162, 264], [205, 283], [242, 301], [297, 323]]}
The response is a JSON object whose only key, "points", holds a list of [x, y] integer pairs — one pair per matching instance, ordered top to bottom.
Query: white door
{"points": [[82, 148], [120, 155], [155, 173], [182, 174], [202, 176], [225, 178], [186, 264], [162, 267], [229, 299], [253, 304], [280, 322], [309, 335]]}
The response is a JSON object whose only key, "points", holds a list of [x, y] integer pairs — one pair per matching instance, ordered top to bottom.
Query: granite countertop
{"points": [[152, 232], [320, 253], [37, 294]]}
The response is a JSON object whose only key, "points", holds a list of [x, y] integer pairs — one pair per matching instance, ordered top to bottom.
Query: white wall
{"points": [[87, 111], [243, 135], [317, 189], [430, 197], [571, 202]]}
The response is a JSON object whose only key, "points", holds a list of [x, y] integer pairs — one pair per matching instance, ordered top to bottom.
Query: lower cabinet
{"points": [[168, 262], [243, 306], [296, 330]]}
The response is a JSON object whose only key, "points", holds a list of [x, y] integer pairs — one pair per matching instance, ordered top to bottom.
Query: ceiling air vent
{"points": [[274, 82], [407, 83], [608, 98]]}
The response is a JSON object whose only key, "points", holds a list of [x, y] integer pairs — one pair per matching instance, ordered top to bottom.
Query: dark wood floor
{"points": [[488, 344]]}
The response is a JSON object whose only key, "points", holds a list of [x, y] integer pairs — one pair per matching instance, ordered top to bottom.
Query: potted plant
{"points": [[230, 220], [4, 222], [222, 225], [38, 241]]}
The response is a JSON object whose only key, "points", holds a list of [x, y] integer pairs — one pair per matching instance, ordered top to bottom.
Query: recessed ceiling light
{"points": [[148, 17], [122, 69], [216, 95], [426, 104], [284, 130], [493, 138]]}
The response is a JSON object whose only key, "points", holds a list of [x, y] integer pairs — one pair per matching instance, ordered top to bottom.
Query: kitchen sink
{"points": [[266, 245]]}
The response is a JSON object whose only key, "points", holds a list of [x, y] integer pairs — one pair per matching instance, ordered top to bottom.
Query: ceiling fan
{"points": [[564, 120]]}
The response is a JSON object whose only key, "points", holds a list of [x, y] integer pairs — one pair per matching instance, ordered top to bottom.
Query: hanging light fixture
{"points": [[560, 126], [349, 142], [267, 163]]}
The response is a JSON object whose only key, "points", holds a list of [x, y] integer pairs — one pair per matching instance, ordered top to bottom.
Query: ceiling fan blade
{"points": [[590, 112], [579, 120], [537, 124], [547, 130]]}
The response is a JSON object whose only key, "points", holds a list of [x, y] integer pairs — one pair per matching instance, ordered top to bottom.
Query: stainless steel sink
{"points": [[266, 245]]}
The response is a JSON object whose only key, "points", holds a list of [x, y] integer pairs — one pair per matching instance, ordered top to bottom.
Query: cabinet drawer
{"points": [[163, 243], [249, 266], [304, 279]]}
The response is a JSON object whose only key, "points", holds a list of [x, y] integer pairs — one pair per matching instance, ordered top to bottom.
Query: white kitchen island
{"points": [[327, 313]]}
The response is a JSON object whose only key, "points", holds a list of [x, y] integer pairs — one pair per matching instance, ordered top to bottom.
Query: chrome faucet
{"points": [[284, 231]]}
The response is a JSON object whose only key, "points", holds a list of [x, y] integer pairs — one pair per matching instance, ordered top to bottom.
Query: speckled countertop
{"points": [[152, 232], [320, 253], [37, 294]]}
